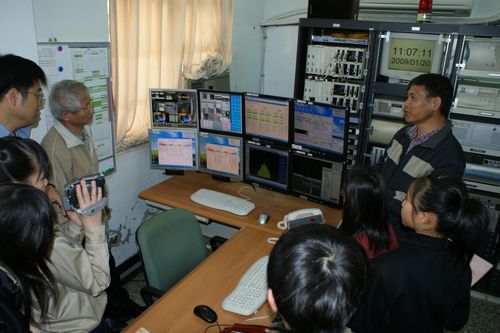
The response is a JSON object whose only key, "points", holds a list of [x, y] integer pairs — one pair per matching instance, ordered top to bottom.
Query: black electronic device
{"points": [[333, 9], [173, 108], [220, 111], [267, 117], [319, 129], [173, 149], [221, 155], [267, 165], [317, 179], [69, 198], [206, 313]]}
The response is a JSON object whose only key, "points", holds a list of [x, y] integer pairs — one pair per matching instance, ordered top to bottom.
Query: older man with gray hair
{"points": [[68, 143]]}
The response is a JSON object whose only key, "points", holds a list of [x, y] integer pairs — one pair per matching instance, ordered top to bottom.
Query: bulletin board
{"points": [[89, 64]]}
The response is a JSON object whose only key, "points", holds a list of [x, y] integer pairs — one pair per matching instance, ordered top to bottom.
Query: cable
{"points": [[243, 188], [282, 225], [272, 240], [257, 318], [220, 326]]}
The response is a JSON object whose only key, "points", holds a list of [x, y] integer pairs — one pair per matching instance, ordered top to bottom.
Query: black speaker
{"points": [[336, 9]]}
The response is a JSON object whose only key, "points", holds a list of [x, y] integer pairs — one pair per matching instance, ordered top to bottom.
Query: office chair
{"points": [[171, 245]]}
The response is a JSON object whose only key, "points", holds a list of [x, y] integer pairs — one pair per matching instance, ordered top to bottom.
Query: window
{"points": [[161, 44]]}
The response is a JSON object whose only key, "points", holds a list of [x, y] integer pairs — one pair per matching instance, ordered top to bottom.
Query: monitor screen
{"points": [[407, 55], [173, 108], [220, 111], [267, 116], [321, 127], [173, 148], [221, 155], [267, 166], [316, 179]]}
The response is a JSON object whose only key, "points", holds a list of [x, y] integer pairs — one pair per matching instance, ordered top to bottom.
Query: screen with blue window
{"points": [[220, 111], [321, 127], [173, 149], [220, 155], [267, 166]]}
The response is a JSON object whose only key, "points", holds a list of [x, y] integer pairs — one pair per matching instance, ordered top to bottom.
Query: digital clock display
{"points": [[412, 55]]}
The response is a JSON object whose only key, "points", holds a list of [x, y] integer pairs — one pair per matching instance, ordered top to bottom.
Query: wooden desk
{"points": [[176, 192], [208, 284]]}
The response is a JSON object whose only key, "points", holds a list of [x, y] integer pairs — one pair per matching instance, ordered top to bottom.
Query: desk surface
{"points": [[176, 192], [208, 284]]}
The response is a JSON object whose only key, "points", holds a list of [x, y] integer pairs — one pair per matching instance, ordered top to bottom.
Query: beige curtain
{"points": [[160, 44]]}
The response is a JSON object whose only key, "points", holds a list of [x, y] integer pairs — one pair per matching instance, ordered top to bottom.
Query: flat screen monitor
{"points": [[407, 55], [173, 108], [220, 111], [267, 117], [319, 127], [172, 149], [221, 155], [267, 166], [316, 179]]}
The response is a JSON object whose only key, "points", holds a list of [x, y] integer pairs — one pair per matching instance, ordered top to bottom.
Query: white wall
{"points": [[71, 20], [247, 45], [264, 57]]}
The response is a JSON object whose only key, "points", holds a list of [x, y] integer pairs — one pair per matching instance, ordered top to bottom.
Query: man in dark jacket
{"points": [[425, 146]]}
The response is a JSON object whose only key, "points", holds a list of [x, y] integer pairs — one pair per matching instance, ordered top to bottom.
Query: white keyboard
{"points": [[222, 201], [251, 291]]}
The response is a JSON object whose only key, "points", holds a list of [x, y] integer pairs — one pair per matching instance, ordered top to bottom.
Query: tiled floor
{"points": [[484, 316]]}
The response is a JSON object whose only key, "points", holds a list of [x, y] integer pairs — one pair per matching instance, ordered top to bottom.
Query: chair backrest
{"points": [[171, 245]]}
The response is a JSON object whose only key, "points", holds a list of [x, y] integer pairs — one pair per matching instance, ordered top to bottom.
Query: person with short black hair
{"points": [[21, 95], [425, 146], [364, 214], [316, 275], [424, 286]]}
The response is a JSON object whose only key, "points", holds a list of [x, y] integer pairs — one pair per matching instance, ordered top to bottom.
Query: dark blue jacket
{"points": [[441, 154], [417, 288], [11, 318]]}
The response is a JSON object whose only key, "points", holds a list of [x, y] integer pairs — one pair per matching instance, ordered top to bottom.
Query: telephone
{"points": [[300, 217]]}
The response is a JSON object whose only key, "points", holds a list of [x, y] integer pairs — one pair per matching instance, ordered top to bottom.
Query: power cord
{"points": [[245, 188]]}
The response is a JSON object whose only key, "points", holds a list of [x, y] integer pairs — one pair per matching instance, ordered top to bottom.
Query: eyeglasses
{"points": [[40, 96], [87, 108]]}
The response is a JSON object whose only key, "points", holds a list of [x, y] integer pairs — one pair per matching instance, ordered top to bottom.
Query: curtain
{"points": [[161, 44]]}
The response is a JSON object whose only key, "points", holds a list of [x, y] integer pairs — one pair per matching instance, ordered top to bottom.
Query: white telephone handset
{"points": [[301, 216]]}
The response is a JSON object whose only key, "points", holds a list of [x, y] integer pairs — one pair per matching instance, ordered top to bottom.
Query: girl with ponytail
{"points": [[424, 286]]}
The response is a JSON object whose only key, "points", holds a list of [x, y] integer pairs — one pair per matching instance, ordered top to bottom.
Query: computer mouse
{"points": [[263, 218], [206, 313]]}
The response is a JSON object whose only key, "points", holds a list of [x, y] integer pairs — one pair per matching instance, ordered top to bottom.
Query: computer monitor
{"points": [[407, 55], [173, 108], [220, 111], [267, 117], [319, 128], [173, 149], [221, 155], [267, 166], [316, 179]]}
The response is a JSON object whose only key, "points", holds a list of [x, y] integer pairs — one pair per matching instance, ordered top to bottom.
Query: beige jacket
{"points": [[70, 156], [81, 275]]}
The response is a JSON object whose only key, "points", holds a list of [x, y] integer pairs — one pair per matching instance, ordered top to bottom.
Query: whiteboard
{"points": [[89, 64]]}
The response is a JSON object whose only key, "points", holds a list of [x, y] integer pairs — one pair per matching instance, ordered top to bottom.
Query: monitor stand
{"points": [[172, 172], [221, 178]]}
